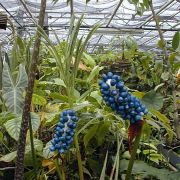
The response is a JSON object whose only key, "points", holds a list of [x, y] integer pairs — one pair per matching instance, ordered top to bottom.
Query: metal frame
{"points": [[117, 18]]}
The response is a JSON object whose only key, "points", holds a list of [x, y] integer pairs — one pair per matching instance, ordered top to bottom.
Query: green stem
{"points": [[32, 148], [133, 156], [60, 172], [81, 176]]}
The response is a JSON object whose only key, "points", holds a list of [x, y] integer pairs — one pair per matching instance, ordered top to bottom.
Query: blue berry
{"points": [[109, 74], [104, 77], [116, 77], [101, 82], [113, 82], [120, 85], [105, 86], [106, 92], [114, 92], [123, 94], [111, 99], [120, 99], [113, 106], [121, 108], [71, 112], [64, 113], [138, 117], [74, 118], [65, 119], [61, 125], [71, 125], [68, 137], [62, 138], [56, 140], [52, 148], [61, 151]]}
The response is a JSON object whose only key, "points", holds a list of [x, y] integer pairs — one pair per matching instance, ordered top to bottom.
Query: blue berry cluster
{"points": [[116, 95], [64, 131]]}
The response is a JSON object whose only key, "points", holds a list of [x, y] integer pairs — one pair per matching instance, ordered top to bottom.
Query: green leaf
{"points": [[135, 1], [146, 3], [176, 40], [20, 44], [160, 44], [89, 60], [94, 73], [165, 76], [59, 82], [12, 92], [76, 94], [138, 94], [58, 96], [97, 96], [38, 100], [153, 100], [81, 106], [6, 116], [160, 116], [35, 120], [165, 122], [154, 124], [13, 126], [103, 129], [90, 134], [1, 136], [38, 146], [46, 151], [149, 151], [126, 155], [9, 157], [147, 171], [103, 172]]}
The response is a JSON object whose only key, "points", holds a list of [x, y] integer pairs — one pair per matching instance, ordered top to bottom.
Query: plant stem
{"points": [[172, 80], [32, 148], [133, 155], [19, 172], [60, 172], [81, 176]]}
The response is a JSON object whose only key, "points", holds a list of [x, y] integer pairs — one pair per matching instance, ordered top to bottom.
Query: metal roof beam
{"points": [[159, 11]]}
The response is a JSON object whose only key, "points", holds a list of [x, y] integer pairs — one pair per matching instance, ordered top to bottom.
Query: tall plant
{"points": [[68, 64], [26, 110]]}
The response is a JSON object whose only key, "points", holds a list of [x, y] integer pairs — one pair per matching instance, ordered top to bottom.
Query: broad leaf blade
{"points": [[12, 92], [153, 100]]}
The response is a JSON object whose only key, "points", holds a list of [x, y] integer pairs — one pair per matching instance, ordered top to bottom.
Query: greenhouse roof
{"points": [[118, 18]]}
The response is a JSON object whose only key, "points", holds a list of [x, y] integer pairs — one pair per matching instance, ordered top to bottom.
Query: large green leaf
{"points": [[176, 41], [89, 60], [94, 73], [12, 92], [97, 96], [38, 100], [153, 100], [165, 122], [13, 126], [103, 129], [90, 134], [38, 146], [8, 157], [146, 170]]}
